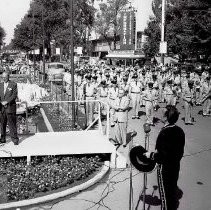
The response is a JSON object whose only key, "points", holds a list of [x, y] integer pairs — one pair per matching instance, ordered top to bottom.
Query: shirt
{"points": [[5, 86]]}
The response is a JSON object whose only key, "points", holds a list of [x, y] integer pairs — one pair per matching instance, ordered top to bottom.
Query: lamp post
{"points": [[72, 60]]}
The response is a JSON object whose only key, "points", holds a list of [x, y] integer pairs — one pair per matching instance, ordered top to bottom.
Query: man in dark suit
{"points": [[8, 95], [169, 152]]}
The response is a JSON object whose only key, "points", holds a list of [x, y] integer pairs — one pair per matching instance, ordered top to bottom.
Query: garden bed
{"points": [[35, 122], [45, 175]]}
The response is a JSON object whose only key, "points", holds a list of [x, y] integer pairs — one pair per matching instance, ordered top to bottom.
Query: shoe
{"points": [[133, 117], [112, 125], [124, 145]]}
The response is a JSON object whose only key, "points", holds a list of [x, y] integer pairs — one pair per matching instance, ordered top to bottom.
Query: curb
{"points": [[47, 123], [61, 194]]}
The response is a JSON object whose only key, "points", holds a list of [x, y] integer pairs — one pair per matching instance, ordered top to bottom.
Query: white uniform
{"points": [[206, 88], [89, 92], [135, 94], [112, 95], [103, 96], [188, 98], [149, 101], [121, 106]]}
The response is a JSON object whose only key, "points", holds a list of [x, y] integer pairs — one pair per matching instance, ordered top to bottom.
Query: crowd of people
{"points": [[145, 87]]}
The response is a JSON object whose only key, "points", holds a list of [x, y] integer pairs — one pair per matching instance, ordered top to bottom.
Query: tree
{"points": [[52, 16], [107, 23], [187, 28], [2, 35]]}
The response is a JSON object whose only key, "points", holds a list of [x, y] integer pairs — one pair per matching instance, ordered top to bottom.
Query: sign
{"points": [[127, 30], [163, 47], [79, 50], [58, 51], [37, 52]]}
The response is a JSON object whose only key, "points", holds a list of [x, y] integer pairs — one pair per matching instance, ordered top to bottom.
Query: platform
{"points": [[60, 143]]}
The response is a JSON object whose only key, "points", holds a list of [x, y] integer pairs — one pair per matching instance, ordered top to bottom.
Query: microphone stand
{"points": [[147, 130], [133, 134], [146, 146]]}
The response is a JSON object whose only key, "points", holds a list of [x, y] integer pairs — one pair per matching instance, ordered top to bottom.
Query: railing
{"points": [[84, 115], [57, 116]]}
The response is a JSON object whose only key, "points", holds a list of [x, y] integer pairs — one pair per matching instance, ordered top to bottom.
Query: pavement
{"points": [[113, 191]]}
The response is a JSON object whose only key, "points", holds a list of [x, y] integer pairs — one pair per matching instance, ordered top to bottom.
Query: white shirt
{"points": [[5, 86]]}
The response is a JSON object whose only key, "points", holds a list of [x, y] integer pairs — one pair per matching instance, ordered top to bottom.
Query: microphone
{"points": [[146, 127], [133, 133]]}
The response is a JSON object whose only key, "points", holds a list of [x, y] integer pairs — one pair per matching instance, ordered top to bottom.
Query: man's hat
{"points": [[88, 76], [135, 76], [94, 77], [114, 81], [103, 82], [169, 82], [140, 161]]}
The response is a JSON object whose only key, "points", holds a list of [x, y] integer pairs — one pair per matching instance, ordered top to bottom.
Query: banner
{"points": [[127, 30]]}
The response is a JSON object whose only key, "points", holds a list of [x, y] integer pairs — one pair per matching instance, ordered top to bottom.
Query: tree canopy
{"points": [[53, 16], [187, 28], [2, 35]]}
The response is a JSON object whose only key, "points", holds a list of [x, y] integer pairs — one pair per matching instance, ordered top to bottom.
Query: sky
{"points": [[144, 10], [12, 11]]}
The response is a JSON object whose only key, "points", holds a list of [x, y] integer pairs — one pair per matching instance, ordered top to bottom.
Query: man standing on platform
{"points": [[8, 95]]}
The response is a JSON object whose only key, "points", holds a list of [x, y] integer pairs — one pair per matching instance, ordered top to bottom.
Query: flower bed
{"points": [[35, 122], [45, 174]]}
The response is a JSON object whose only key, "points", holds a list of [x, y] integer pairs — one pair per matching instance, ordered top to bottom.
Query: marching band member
{"points": [[206, 88], [135, 90], [89, 92], [197, 93], [112, 94], [103, 96], [188, 98], [170, 99], [149, 103]]}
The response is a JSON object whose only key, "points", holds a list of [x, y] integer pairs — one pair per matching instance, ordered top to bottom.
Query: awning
{"points": [[124, 55]]}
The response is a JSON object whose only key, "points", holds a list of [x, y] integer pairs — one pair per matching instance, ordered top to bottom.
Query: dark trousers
{"points": [[9, 118], [167, 183]]}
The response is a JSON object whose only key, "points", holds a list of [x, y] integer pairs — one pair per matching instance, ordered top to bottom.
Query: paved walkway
{"points": [[113, 191]]}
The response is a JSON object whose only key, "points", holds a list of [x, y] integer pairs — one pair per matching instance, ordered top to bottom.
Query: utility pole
{"points": [[163, 29], [33, 41], [43, 45], [72, 61]]}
